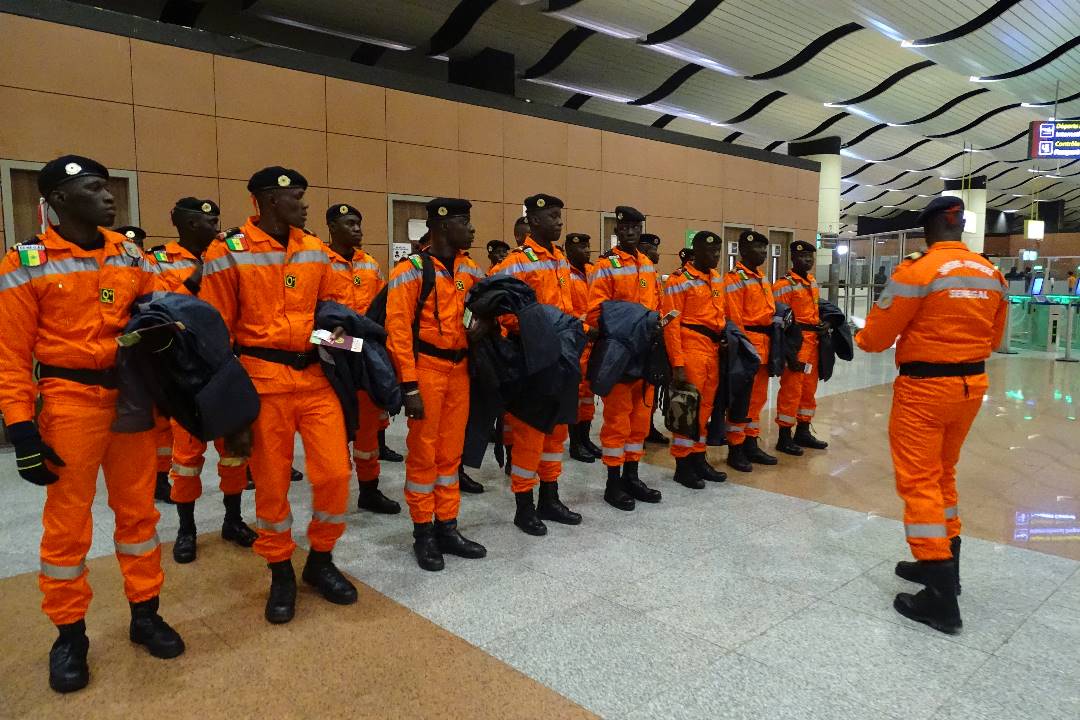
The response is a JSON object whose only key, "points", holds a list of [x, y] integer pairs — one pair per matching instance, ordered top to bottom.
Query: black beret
{"points": [[68, 167], [276, 177], [541, 201], [191, 204], [939, 204], [446, 207], [341, 210], [625, 213], [131, 232], [752, 236], [704, 237], [577, 239], [650, 239], [494, 244], [802, 246], [685, 254]]}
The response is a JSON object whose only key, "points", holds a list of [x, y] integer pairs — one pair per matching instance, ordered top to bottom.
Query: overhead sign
{"points": [[1051, 139]]}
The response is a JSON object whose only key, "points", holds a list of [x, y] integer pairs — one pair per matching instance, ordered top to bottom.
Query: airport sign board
{"points": [[1053, 140]]}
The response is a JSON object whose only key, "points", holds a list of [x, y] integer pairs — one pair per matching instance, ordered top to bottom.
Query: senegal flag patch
{"points": [[236, 243], [530, 254], [31, 255], [161, 256], [417, 262], [615, 262]]}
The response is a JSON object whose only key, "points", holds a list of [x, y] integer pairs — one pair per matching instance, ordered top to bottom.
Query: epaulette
{"points": [[235, 240], [132, 250], [31, 254], [914, 256], [417, 262]]}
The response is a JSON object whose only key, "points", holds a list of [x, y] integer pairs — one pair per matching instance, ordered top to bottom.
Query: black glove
{"points": [[31, 452]]}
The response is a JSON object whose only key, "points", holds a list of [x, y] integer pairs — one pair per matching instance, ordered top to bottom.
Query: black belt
{"points": [[809, 328], [764, 329], [706, 331], [454, 356], [295, 360], [933, 370], [84, 376]]}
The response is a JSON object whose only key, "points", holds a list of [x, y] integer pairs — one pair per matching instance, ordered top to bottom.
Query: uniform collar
{"points": [[255, 234], [52, 240], [947, 245], [175, 248], [540, 249], [336, 257], [638, 257], [453, 263], [692, 269], [748, 271], [807, 281]]}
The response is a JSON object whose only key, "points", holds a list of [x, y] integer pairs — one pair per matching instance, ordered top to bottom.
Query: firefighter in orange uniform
{"points": [[196, 223], [497, 251], [542, 266], [360, 273], [625, 274], [265, 278], [64, 299], [750, 305], [948, 307], [693, 339], [433, 369], [796, 401], [582, 447]]}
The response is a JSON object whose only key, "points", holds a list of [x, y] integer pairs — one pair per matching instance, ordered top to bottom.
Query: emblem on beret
{"points": [[73, 168], [283, 180], [540, 202], [207, 207], [344, 209], [442, 210], [618, 216], [129, 234], [710, 239]]}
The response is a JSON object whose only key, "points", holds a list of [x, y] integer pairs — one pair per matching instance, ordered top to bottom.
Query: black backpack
{"points": [[377, 310]]}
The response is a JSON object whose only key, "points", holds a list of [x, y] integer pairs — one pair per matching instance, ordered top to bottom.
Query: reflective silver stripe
{"points": [[309, 256], [233, 259], [128, 261], [179, 265], [365, 266], [340, 267], [470, 270], [607, 271], [22, 275], [405, 277], [15, 278], [734, 286], [683, 287], [896, 288], [783, 290], [586, 401], [808, 412], [785, 418], [753, 425], [733, 428], [701, 440], [682, 442], [634, 447], [164, 452], [611, 452], [363, 455], [551, 457], [225, 461], [186, 470], [522, 472], [446, 480], [422, 488], [950, 513], [327, 517], [282, 526], [925, 530], [140, 548], [63, 572]]}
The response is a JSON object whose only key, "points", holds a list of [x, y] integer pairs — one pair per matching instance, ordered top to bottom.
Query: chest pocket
{"points": [[301, 278], [119, 283]]}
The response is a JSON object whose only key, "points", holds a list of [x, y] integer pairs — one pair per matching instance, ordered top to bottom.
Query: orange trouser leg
{"points": [[703, 372], [796, 399], [586, 400], [930, 419], [626, 423], [737, 432], [163, 434], [80, 435], [435, 442], [366, 443], [326, 452], [536, 456], [551, 458], [188, 460], [271, 467], [232, 470]]}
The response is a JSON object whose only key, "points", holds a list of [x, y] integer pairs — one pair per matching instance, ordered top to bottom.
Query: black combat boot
{"points": [[585, 428], [806, 439], [785, 444], [577, 448], [385, 453], [755, 454], [737, 460], [704, 470], [686, 475], [466, 484], [635, 488], [162, 489], [615, 492], [372, 499], [550, 507], [525, 517], [233, 527], [452, 542], [426, 547], [184, 549], [913, 571], [321, 573], [281, 602], [935, 605], [151, 631], [68, 670]]}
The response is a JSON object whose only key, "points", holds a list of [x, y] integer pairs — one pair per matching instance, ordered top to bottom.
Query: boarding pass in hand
{"points": [[345, 342]]}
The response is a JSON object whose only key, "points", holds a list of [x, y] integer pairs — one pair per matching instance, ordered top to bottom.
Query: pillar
{"points": [[825, 152], [973, 192]]}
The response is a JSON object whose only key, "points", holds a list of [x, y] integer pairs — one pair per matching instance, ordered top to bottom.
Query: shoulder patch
{"points": [[236, 241], [530, 254], [31, 255], [161, 256], [914, 256], [615, 261], [417, 262], [687, 274], [741, 274]]}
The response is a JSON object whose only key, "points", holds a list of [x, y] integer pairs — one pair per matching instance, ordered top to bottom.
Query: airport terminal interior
{"points": [[838, 133]]}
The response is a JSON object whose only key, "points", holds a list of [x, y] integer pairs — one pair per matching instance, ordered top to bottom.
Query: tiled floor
{"points": [[770, 598]]}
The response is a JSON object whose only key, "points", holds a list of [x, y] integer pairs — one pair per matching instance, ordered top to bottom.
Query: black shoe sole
{"points": [[796, 452], [582, 457], [770, 462], [742, 468], [691, 485], [476, 489], [622, 504], [561, 519], [536, 531], [238, 541], [466, 555], [335, 599], [905, 610], [280, 620], [166, 655], [65, 688]]}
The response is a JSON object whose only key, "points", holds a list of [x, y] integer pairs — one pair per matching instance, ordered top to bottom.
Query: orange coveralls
{"points": [[177, 265], [622, 276], [364, 281], [579, 293], [267, 294], [698, 298], [750, 304], [947, 306], [67, 311], [796, 399], [435, 442], [537, 455]]}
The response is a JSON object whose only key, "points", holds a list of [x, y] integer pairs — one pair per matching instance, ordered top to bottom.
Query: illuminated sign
{"points": [[1051, 139]]}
